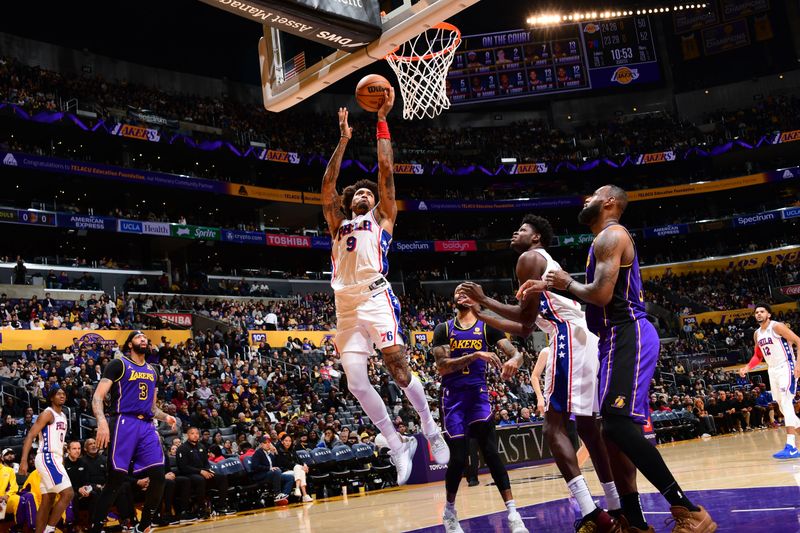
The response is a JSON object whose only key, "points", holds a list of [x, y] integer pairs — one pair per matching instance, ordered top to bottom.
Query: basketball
{"points": [[370, 92]]}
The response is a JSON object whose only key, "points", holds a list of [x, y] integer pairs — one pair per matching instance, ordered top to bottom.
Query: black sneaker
{"points": [[473, 482], [225, 511], [187, 517], [172, 519]]}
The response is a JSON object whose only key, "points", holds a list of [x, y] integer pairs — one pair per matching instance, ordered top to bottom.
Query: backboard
{"points": [[283, 86]]}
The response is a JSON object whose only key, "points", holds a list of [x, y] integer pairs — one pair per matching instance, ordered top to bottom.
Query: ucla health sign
{"points": [[791, 212], [130, 226]]}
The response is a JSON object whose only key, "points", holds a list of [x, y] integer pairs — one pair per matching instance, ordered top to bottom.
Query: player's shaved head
{"points": [[618, 194]]}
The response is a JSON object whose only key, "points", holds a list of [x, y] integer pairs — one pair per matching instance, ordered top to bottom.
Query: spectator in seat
{"points": [[757, 411], [741, 412], [525, 416], [505, 419], [706, 420], [9, 427], [329, 439], [192, 461], [288, 461], [264, 471], [9, 489]]}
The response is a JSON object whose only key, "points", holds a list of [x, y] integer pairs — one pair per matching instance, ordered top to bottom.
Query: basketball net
{"points": [[421, 66]]}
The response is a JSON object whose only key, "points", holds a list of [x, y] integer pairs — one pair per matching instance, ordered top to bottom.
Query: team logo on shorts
{"points": [[619, 403]]}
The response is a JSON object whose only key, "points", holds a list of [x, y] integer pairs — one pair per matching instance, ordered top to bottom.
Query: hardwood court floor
{"points": [[740, 461]]}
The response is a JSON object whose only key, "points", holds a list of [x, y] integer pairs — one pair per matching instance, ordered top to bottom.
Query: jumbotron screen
{"points": [[574, 57]]}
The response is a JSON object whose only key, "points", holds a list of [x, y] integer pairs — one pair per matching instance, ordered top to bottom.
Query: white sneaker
{"points": [[439, 448], [403, 459], [297, 492], [307, 499], [450, 521], [515, 523]]}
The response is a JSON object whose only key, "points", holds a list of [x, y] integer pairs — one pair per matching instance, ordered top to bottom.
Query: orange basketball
{"points": [[370, 92]]}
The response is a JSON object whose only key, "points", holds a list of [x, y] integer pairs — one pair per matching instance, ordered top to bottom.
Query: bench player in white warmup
{"points": [[361, 223], [774, 344], [51, 427]]}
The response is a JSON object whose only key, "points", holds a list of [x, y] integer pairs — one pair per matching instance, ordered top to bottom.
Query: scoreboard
{"points": [[565, 58]]}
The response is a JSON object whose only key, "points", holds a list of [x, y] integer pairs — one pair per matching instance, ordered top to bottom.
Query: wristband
{"points": [[383, 130], [568, 284]]}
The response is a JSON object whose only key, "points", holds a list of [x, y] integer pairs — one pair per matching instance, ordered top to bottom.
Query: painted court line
{"points": [[764, 509]]}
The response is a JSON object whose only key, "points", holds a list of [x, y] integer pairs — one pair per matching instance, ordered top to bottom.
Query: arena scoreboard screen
{"points": [[574, 57]]}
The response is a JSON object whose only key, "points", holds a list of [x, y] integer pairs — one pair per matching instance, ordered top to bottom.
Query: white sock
{"points": [[416, 395], [369, 399], [790, 440], [580, 491], [612, 497], [511, 506], [450, 507], [49, 529]]}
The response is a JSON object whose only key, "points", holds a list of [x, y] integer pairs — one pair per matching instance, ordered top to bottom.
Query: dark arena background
{"points": [[162, 173]]}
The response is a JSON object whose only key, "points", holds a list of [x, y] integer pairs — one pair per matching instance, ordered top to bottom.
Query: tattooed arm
{"points": [[331, 203], [387, 206], [609, 247]]}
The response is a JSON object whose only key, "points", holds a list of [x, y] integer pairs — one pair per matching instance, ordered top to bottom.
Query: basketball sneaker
{"points": [[439, 448], [788, 452], [403, 459], [450, 521], [687, 521], [599, 522], [515, 523], [625, 525]]}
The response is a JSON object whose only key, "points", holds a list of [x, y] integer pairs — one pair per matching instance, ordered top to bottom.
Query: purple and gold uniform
{"points": [[629, 343], [465, 395], [134, 441]]}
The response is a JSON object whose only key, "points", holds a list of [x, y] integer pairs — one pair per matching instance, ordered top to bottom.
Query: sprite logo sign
{"points": [[200, 233]]}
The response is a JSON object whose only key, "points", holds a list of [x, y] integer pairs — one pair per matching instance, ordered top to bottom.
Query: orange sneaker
{"points": [[687, 521], [627, 528]]}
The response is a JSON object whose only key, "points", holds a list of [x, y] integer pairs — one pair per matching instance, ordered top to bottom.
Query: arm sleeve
{"points": [[440, 335], [494, 335], [758, 355], [114, 370]]}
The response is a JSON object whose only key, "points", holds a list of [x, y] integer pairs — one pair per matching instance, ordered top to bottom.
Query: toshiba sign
{"points": [[289, 241]]}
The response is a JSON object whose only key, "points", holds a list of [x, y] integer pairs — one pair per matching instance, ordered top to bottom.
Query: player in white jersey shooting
{"points": [[361, 223], [773, 342], [570, 370], [51, 427]]}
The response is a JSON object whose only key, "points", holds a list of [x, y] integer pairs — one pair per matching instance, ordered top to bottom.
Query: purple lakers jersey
{"points": [[627, 301], [132, 393]]}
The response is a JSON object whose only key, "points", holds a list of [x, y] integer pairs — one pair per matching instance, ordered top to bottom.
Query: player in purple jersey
{"points": [[462, 347], [629, 348], [133, 445]]}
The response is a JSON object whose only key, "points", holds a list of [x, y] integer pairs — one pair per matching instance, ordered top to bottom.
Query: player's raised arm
{"points": [[330, 198], [387, 207], [609, 246], [45, 418]]}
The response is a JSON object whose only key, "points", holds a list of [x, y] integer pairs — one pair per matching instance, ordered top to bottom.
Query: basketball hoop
{"points": [[421, 66]]}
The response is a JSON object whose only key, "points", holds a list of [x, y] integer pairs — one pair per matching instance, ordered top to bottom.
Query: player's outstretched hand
{"points": [[388, 103], [344, 127], [557, 279], [531, 287], [471, 290], [491, 358], [540, 407], [170, 420], [102, 434], [23, 468]]}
